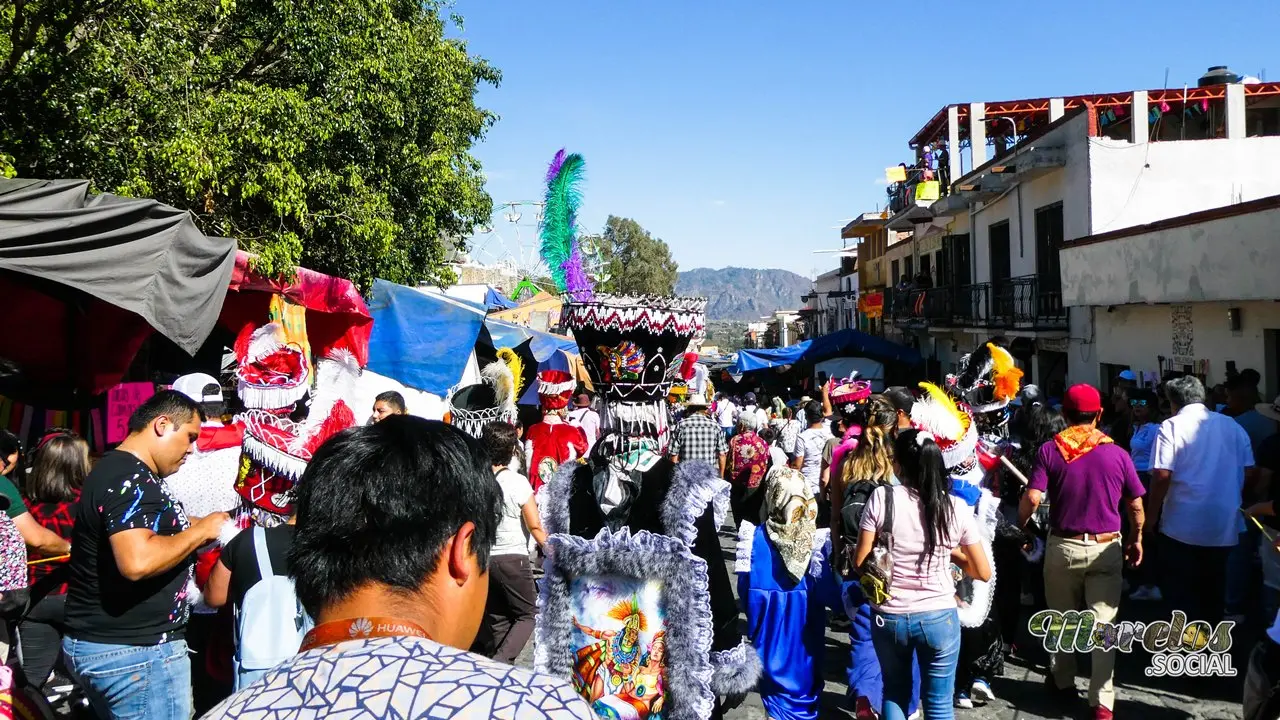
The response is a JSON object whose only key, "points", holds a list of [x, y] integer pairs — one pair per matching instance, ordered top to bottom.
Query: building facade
{"points": [[985, 257], [1191, 294]]}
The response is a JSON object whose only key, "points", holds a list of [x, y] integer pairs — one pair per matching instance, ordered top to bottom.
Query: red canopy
{"points": [[336, 314]]}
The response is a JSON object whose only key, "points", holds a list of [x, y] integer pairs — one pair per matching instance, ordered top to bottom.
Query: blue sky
{"points": [[744, 133]]}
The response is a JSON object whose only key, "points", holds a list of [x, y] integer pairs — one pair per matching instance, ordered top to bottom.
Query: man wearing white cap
{"points": [[205, 484]]}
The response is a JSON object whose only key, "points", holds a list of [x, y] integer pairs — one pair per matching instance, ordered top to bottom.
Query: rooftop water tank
{"points": [[1218, 75]]}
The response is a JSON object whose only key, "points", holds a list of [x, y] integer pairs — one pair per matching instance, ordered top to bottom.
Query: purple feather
{"points": [[556, 163], [577, 285]]}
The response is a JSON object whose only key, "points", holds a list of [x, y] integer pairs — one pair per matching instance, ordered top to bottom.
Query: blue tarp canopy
{"points": [[495, 301], [421, 340], [837, 344], [543, 345]]}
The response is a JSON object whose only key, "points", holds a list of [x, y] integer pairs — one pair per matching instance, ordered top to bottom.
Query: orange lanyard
{"points": [[361, 628]]}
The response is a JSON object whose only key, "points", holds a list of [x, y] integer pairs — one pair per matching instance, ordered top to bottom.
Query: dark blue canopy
{"points": [[842, 343]]}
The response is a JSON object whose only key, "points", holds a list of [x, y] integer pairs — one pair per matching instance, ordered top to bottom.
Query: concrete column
{"points": [[1057, 108], [1138, 118], [1236, 127], [978, 133], [954, 163]]}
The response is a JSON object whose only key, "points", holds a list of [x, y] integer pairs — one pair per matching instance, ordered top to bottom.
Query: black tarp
{"points": [[85, 279]]}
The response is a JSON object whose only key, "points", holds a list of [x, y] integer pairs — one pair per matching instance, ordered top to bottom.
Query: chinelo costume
{"points": [[988, 380], [470, 407], [553, 441], [636, 607]]}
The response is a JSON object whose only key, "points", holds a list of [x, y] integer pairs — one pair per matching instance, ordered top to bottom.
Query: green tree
{"points": [[333, 134], [635, 262]]}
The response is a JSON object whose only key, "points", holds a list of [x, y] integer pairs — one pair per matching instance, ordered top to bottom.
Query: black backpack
{"points": [[855, 503]]}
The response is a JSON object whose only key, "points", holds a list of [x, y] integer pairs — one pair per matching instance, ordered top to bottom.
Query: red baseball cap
{"points": [[1082, 399]]}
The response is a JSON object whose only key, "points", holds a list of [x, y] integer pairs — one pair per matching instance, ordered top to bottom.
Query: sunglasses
{"points": [[1137, 403]]}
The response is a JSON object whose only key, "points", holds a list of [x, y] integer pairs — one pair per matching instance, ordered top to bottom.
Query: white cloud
{"points": [[882, 180], [719, 203]]}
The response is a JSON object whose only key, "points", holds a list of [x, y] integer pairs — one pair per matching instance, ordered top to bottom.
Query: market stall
{"points": [[87, 279]]}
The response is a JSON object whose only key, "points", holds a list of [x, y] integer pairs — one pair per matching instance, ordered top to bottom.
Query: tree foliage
{"points": [[333, 134], [636, 263]]}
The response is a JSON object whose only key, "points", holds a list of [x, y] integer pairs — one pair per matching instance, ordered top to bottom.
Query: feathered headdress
{"points": [[559, 234], [516, 365], [988, 379], [951, 425], [627, 608]]}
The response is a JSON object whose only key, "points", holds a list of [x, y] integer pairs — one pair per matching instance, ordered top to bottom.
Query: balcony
{"points": [[1016, 304]]}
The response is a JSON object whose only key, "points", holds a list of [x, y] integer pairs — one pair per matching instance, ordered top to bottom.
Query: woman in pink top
{"points": [[931, 531]]}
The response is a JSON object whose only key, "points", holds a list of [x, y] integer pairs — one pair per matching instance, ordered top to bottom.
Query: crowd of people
{"points": [[1145, 496], [409, 558]]}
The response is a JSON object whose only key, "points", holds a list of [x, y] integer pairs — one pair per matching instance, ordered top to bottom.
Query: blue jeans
{"points": [[933, 638], [863, 672], [148, 682]]}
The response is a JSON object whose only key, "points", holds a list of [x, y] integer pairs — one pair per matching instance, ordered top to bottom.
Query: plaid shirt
{"points": [[698, 437], [58, 518]]}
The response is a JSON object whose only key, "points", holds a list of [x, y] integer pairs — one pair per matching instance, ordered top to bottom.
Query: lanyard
{"points": [[361, 628]]}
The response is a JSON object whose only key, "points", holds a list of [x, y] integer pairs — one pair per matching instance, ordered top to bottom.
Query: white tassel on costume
{"points": [[336, 376]]}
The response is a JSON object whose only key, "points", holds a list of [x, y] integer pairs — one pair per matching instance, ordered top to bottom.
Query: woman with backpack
{"points": [[866, 466], [52, 490], [910, 536], [253, 574]]}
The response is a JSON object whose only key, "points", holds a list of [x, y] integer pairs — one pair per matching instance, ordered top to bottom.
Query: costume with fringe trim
{"points": [[684, 504], [636, 587], [786, 621]]}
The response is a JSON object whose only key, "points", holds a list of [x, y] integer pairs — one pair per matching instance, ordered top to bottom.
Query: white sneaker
{"points": [[981, 692], [963, 702], [917, 715]]}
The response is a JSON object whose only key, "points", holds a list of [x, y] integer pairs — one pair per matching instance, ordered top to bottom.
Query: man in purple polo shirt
{"points": [[1087, 477]]}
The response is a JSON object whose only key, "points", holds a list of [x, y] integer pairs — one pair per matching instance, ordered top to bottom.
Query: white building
{"points": [[1064, 169], [1195, 293]]}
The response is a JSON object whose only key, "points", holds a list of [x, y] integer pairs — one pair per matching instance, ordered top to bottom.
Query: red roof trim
{"points": [[936, 127]]}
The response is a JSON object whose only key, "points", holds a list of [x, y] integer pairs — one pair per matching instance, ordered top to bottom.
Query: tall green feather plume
{"points": [[559, 222]]}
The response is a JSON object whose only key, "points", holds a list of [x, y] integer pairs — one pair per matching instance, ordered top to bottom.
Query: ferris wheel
{"points": [[510, 242]]}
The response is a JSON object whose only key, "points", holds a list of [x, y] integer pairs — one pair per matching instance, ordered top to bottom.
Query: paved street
{"points": [[1019, 692]]}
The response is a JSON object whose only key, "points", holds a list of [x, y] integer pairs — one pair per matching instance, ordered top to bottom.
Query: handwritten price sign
{"points": [[122, 400]]}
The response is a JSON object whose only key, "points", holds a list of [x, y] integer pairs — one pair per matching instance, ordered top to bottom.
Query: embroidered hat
{"points": [[633, 346], [633, 349], [988, 379], [555, 388], [846, 394], [470, 407], [950, 424]]}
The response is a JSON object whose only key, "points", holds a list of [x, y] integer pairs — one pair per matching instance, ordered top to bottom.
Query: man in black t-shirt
{"points": [[131, 559]]}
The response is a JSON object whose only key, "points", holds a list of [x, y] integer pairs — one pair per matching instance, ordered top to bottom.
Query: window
{"points": [[1049, 236], [998, 237], [954, 261], [925, 265], [906, 269], [893, 272]]}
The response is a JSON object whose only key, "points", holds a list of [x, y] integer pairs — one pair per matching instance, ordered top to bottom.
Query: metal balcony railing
{"points": [[1027, 302], [1013, 303]]}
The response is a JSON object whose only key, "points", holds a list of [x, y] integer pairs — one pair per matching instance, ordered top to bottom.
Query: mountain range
{"points": [[744, 294]]}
